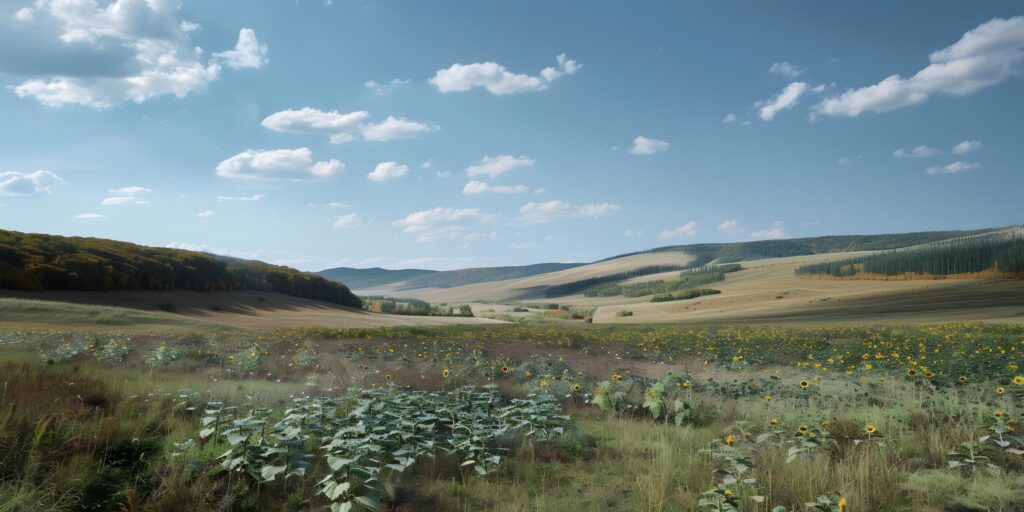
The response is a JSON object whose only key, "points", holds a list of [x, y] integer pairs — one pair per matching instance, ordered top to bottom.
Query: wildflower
{"points": [[504, 369], [445, 373], [911, 373], [616, 377], [963, 378], [1018, 380], [543, 383], [686, 384], [804, 384], [577, 388], [1000, 390], [767, 398], [998, 414], [773, 421], [824, 424], [869, 428], [803, 429], [729, 440], [842, 504]]}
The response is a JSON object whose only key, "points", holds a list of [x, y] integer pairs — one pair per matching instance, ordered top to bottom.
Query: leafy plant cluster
{"points": [[685, 295], [414, 307], [363, 441]]}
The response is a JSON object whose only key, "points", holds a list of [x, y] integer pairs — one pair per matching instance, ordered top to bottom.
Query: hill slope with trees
{"points": [[30, 261]]}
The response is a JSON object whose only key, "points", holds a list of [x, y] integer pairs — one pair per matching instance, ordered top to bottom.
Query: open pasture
{"points": [[514, 417]]}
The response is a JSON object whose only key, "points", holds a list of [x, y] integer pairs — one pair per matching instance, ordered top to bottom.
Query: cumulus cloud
{"points": [[248, 52], [101, 54], [984, 56], [785, 69], [498, 80], [386, 87], [786, 99], [729, 118], [311, 120], [344, 127], [395, 128], [645, 146], [966, 147], [917, 152], [277, 164], [495, 166], [954, 168], [385, 171], [36, 183], [478, 187], [127, 195], [255, 197], [549, 211], [350, 220], [438, 223], [730, 226], [688, 229], [777, 231]]}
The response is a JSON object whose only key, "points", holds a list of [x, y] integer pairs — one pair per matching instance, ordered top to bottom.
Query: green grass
{"points": [[83, 434]]}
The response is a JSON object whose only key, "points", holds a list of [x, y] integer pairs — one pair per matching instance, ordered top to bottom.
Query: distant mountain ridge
{"points": [[370, 278], [408, 279], [413, 279]]}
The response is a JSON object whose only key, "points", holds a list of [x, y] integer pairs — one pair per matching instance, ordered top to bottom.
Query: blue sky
{"points": [[454, 134]]}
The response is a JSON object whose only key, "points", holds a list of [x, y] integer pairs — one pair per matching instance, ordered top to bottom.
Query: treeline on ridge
{"points": [[998, 255], [34, 262], [687, 279], [561, 290]]}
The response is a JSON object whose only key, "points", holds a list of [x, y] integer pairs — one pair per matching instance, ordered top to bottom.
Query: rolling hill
{"points": [[38, 262], [371, 278], [410, 279]]}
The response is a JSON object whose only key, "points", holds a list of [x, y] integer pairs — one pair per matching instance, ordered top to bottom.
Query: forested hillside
{"points": [[996, 256], [46, 262]]}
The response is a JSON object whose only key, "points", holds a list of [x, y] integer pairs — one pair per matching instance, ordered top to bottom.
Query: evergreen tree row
{"points": [[969, 255]]}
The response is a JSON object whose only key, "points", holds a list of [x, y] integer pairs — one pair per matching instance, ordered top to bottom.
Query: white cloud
{"points": [[25, 14], [188, 26], [248, 52], [109, 53], [986, 55], [785, 69], [498, 80], [384, 88], [784, 100], [729, 118], [311, 120], [395, 128], [644, 146], [966, 147], [917, 152], [848, 160], [277, 164], [427, 165], [495, 166], [954, 168], [385, 171], [36, 183], [479, 187], [127, 195], [255, 197], [549, 211], [207, 213], [90, 216], [350, 220], [438, 223], [730, 226], [688, 229], [777, 231], [631, 233], [521, 245]]}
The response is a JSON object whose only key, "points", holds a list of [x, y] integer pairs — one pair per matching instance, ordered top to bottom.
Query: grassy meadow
{"points": [[513, 418]]}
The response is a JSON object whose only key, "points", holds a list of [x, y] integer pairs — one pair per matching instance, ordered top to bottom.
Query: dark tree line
{"points": [[969, 255], [47, 262], [687, 279], [561, 290]]}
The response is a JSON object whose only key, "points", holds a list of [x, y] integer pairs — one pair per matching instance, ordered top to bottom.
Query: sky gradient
{"points": [[455, 134]]}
